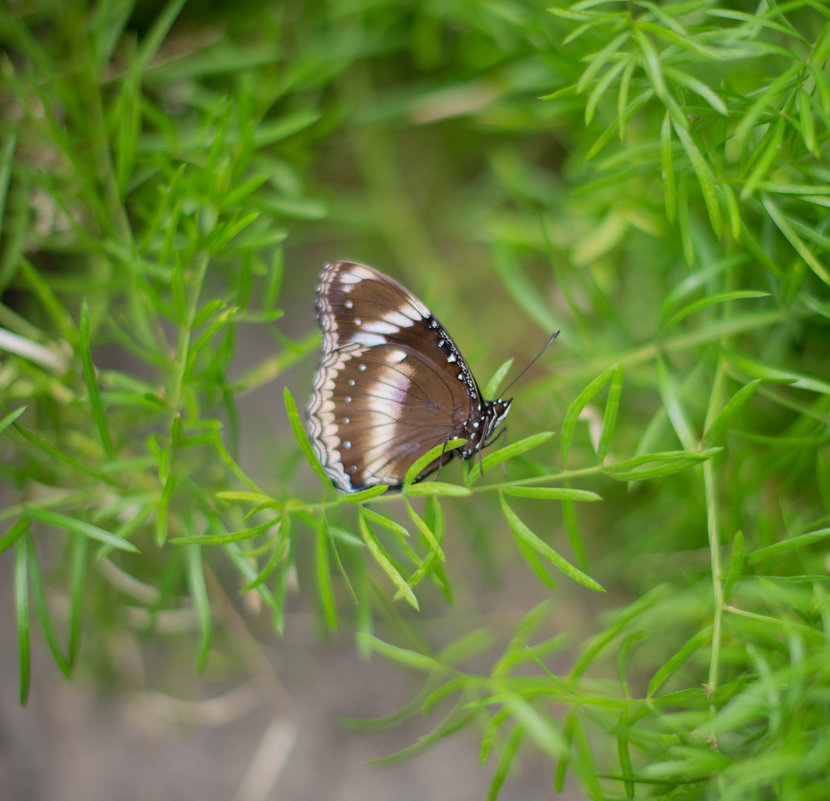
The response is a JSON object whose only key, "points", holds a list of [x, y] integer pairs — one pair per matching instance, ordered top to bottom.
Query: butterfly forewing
{"points": [[392, 383]]}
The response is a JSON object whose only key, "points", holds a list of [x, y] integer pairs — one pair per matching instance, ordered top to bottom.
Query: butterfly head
{"points": [[495, 413], [480, 430]]}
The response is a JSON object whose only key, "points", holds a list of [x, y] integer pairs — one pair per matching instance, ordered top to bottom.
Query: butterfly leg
{"points": [[502, 432], [503, 443], [441, 461]]}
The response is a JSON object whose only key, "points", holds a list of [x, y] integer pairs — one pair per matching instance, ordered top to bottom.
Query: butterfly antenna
{"points": [[531, 362]]}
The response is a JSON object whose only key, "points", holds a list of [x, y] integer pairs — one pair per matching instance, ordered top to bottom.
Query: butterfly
{"points": [[392, 383]]}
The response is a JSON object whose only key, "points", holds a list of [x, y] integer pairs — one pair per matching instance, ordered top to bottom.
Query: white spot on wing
{"points": [[354, 274], [400, 318], [381, 327], [368, 339]]}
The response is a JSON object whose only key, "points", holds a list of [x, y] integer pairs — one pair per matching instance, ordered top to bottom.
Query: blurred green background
{"points": [[650, 178]]}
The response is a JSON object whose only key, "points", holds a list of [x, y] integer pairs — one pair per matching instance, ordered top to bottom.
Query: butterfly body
{"points": [[392, 383]]}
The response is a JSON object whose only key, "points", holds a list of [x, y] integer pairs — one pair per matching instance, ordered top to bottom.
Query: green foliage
{"points": [[650, 178]]}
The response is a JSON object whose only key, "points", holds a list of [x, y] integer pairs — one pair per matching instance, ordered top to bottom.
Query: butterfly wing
{"points": [[391, 385]]}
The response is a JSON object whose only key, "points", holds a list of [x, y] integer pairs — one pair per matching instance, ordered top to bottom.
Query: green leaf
{"points": [[155, 36], [598, 60], [651, 63], [601, 86], [698, 87], [622, 97], [751, 118], [285, 125], [617, 125], [807, 126], [770, 149], [6, 162], [667, 163], [704, 175], [732, 210], [684, 220], [786, 227], [719, 297], [772, 374], [91, 381], [493, 384], [579, 403], [10, 418], [609, 419], [716, 428], [302, 438], [509, 452], [428, 458], [229, 461], [655, 465], [80, 466], [436, 488], [550, 493], [364, 495], [260, 498], [393, 526], [81, 527], [20, 528], [572, 530], [525, 535], [225, 537], [346, 537], [433, 539], [785, 546], [280, 547], [377, 551], [536, 563], [77, 566], [736, 566], [284, 571], [325, 590], [198, 594], [21, 608], [42, 609], [611, 632], [520, 641], [691, 647], [401, 656], [538, 725], [624, 752], [508, 754], [563, 763]]}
